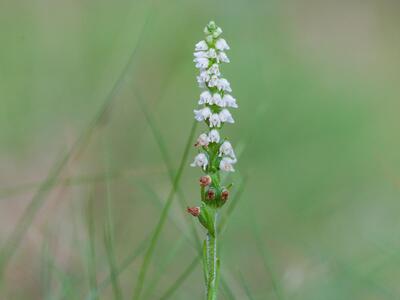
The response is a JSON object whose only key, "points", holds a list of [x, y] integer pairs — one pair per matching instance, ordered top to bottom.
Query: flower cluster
{"points": [[215, 100]]}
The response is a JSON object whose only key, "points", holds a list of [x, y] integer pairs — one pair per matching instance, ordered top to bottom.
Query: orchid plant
{"points": [[215, 154]]}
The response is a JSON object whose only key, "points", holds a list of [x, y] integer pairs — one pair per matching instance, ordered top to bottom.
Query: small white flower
{"points": [[217, 32], [221, 44], [201, 46], [212, 53], [200, 54], [223, 57], [201, 62], [214, 70], [204, 76], [213, 81], [224, 85], [205, 97], [218, 100], [229, 101], [202, 114], [225, 116], [215, 120], [213, 136], [202, 140], [226, 149], [200, 160], [226, 164]]}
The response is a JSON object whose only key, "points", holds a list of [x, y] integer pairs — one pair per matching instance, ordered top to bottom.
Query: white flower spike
{"points": [[216, 154]]}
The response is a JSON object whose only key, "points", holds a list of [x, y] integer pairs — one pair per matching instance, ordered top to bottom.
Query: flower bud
{"points": [[205, 180], [210, 194], [224, 195], [194, 211]]}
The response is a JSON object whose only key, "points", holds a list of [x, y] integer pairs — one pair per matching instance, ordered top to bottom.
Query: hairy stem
{"points": [[212, 261]]}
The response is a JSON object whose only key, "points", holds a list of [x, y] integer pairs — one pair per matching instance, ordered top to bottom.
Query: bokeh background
{"points": [[96, 101]]}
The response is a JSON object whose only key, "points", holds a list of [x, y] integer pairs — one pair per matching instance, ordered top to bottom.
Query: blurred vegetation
{"points": [[315, 212]]}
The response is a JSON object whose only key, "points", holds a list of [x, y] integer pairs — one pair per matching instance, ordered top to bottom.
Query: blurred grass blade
{"points": [[168, 163], [157, 201], [160, 224], [91, 231], [109, 232], [14, 239], [109, 246], [173, 250], [126, 263], [189, 269], [245, 286], [276, 286], [226, 289]]}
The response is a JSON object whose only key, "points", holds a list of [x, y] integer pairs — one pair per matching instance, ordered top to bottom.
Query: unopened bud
{"points": [[205, 180], [210, 194], [224, 195], [194, 211]]}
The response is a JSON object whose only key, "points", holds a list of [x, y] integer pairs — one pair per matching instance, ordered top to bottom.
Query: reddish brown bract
{"points": [[205, 180], [210, 194], [224, 195], [194, 211]]}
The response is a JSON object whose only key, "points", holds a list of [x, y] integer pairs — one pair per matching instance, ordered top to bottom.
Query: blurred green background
{"points": [[317, 130]]}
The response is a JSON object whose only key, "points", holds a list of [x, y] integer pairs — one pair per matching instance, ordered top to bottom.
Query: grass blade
{"points": [[168, 163], [160, 224], [91, 231], [109, 240], [126, 263], [181, 278], [245, 286], [276, 286], [226, 289]]}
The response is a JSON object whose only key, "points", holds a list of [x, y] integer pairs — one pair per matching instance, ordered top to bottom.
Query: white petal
{"points": [[221, 44], [201, 46], [200, 54], [223, 57], [201, 62], [205, 97], [218, 100], [230, 101], [225, 116], [215, 121], [213, 136]]}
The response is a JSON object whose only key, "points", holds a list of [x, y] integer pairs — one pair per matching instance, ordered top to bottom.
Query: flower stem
{"points": [[211, 261]]}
